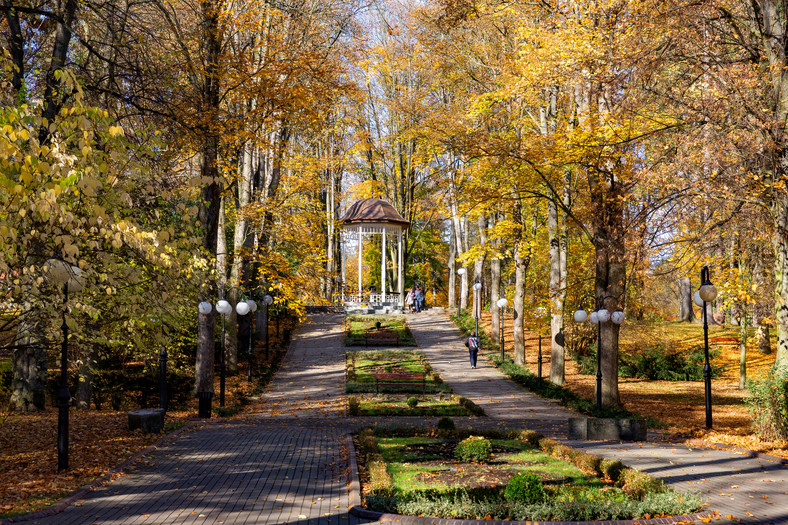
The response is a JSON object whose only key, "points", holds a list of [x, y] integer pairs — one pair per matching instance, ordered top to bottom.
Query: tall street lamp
{"points": [[460, 272], [71, 278], [706, 294], [268, 301], [502, 302], [224, 307], [476, 307], [252, 309], [598, 316], [205, 398]]}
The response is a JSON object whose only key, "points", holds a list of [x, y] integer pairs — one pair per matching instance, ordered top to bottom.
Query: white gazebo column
{"points": [[359, 263], [383, 266], [400, 266]]}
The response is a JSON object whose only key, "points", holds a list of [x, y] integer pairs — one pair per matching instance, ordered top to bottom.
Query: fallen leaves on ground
{"points": [[678, 404]]}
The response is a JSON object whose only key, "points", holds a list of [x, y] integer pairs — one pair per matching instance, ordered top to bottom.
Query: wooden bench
{"points": [[379, 338], [724, 341], [400, 379]]}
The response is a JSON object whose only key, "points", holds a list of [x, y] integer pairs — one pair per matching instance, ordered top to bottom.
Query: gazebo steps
{"points": [[380, 309]]}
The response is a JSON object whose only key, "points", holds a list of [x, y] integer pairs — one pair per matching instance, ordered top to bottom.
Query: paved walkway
{"points": [[288, 464]]}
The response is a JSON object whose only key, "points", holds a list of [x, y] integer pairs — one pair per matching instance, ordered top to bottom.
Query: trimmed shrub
{"points": [[412, 402], [353, 406], [470, 406], [446, 424], [530, 437], [475, 448], [588, 463], [611, 469], [379, 478], [637, 484], [525, 487]]}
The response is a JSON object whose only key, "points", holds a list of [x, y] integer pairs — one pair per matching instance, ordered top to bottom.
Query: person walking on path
{"points": [[417, 299], [409, 300], [473, 348]]}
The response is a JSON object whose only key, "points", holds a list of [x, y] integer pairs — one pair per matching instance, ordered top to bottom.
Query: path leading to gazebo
{"points": [[288, 464]]}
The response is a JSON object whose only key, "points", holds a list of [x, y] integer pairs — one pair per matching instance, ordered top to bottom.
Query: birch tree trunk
{"points": [[458, 243], [521, 261], [478, 267], [452, 268], [495, 285], [557, 291], [687, 311]]}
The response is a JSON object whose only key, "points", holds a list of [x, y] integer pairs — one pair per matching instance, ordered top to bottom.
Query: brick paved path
{"points": [[287, 464]]}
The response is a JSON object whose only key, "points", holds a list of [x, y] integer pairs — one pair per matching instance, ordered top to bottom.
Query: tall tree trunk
{"points": [[16, 46], [53, 98], [779, 211], [458, 244], [521, 262], [478, 267], [452, 268], [610, 278], [495, 284], [557, 292], [686, 310], [742, 346], [203, 370], [28, 387], [85, 388]]}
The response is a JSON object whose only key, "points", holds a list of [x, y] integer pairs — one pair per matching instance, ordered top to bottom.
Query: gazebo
{"points": [[376, 217]]}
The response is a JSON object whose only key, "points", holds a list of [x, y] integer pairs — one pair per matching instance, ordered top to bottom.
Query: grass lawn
{"points": [[377, 330], [364, 365], [419, 463], [422, 477]]}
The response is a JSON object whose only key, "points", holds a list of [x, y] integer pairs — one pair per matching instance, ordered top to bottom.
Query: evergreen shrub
{"points": [[475, 448], [525, 487]]}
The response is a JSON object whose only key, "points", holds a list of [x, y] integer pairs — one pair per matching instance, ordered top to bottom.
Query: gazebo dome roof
{"points": [[373, 211]]}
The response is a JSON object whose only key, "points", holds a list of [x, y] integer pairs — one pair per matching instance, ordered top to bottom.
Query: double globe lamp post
{"points": [[706, 294], [242, 308], [597, 317]]}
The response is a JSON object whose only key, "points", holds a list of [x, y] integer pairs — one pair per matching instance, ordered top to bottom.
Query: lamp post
{"points": [[460, 272], [71, 278], [706, 294], [268, 301], [502, 302], [224, 307], [476, 307], [252, 309], [597, 317], [163, 379], [205, 398]]}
